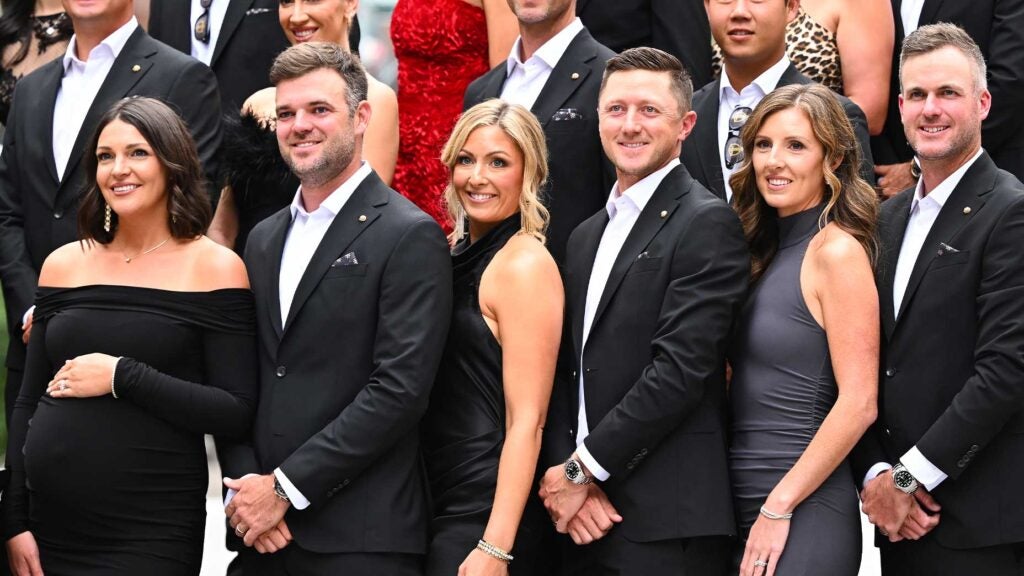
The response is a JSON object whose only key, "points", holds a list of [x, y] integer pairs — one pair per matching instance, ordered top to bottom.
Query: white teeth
{"points": [[304, 34], [934, 130], [305, 144], [633, 144], [778, 181], [125, 188], [481, 197]]}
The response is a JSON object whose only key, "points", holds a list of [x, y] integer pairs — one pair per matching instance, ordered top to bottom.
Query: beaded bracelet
{"points": [[113, 375], [773, 516], [493, 551]]}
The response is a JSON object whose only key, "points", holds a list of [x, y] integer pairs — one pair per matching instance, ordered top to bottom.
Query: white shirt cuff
{"points": [[24, 317], [588, 460], [875, 470], [923, 471], [231, 491], [297, 499]]}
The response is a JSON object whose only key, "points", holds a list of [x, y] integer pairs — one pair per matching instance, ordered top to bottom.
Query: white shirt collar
{"points": [[113, 43], [550, 52], [766, 82], [941, 193], [639, 194], [337, 199]]}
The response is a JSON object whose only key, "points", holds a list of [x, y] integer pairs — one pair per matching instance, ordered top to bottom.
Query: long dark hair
{"points": [[15, 27], [850, 202], [188, 206]]}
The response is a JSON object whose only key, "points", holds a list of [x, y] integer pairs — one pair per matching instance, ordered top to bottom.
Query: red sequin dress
{"points": [[441, 46]]}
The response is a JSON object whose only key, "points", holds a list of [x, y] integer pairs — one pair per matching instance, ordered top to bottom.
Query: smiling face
{"points": [[316, 20], [751, 33], [942, 109], [640, 123], [318, 137], [789, 162], [128, 172], [488, 178]]}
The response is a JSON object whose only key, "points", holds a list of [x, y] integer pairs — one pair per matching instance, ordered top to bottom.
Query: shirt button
{"points": [[58, 215], [281, 371], [889, 372]]}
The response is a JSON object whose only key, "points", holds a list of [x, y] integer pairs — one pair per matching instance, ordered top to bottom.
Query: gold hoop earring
{"points": [[106, 218]]}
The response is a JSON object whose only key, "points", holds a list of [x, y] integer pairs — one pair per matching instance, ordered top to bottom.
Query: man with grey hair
{"points": [[353, 298], [942, 462]]}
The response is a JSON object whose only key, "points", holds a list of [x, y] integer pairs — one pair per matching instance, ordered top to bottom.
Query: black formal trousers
{"points": [[995, 26], [703, 156], [579, 175], [38, 207], [952, 358], [653, 366], [346, 378], [616, 555], [926, 557], [294, 561]]}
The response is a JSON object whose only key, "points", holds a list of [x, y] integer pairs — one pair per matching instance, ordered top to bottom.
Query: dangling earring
{"points": [[106, 218]]}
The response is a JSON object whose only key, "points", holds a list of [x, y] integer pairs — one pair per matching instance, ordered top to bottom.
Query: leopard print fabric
{"points": [[810, 46]]}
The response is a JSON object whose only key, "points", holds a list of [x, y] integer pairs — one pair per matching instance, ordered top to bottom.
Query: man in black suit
{"points": [[995, 26], [678, 27], [752, 37], [239, 41], [555, 70], [54, 113], [951, 281], [653, 283], [353, 296]]}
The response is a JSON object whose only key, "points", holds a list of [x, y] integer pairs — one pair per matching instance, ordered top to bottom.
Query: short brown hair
{"points": [[932, 37], [309, 57], [654, 60], [188, 203]]}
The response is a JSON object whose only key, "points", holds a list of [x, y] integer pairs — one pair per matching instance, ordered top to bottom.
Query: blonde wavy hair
{"points": [[522, 127], [850, 202]]}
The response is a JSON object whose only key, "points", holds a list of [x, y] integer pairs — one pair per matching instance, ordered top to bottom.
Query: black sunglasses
{"points": [[202, 29], [733, 147]]}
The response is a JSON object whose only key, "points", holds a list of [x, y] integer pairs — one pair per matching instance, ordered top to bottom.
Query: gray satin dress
{"points": [[781, 390]]}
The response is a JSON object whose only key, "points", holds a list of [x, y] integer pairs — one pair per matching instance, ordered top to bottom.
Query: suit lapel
{"points": [[928, 12], [232, 18], [177, 24], [131, 65], [792, 76], [566, 77], [495, 80], [44, 103], [705, 135], [970, 193], [665, 199], [346, 227], [893, 228], [591, 231], [272, 255]]}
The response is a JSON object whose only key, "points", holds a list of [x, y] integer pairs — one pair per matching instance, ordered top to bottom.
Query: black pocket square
{"points": [[346, 260]]}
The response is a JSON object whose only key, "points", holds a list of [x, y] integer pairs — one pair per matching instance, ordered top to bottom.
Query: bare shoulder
{"points": [[380, 94], [262, 104], [836, 250], [523, 259], [63, 265], [216, 267]]}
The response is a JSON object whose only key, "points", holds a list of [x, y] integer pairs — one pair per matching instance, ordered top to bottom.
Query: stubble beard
{"points": [[335, 157]]}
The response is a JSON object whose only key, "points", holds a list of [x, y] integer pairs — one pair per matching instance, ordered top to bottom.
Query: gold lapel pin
{"points": [[136, 68], [575, 76], [967, 209], [664, 213], [362, 217]]}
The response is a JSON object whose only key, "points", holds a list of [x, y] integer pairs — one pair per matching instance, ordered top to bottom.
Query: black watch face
{"points": [[572, 469], [903, 479]]}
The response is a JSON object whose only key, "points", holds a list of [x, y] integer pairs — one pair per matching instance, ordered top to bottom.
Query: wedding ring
{"points": [[63, 385], [239, 531], [883, 532], [760, 563]]}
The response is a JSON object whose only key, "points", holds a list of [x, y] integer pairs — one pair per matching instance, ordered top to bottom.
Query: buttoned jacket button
{"points": [[58, 215], [281, 371], [890, 372]]}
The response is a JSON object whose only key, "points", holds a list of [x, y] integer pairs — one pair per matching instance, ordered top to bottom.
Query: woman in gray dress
{"points": [[805, 352]]}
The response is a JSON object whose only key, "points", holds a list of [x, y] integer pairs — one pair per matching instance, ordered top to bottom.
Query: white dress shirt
{"points": [[910, 13], [203, 51], [525, 80], [78, 88], [729, 99], [624, 209], [924, 209]]}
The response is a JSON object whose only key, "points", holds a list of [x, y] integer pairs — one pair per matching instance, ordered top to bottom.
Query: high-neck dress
{"points": [[781, 390], [464, 429]]}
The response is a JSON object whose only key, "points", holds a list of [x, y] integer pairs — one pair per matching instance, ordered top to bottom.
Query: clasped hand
{"points": [[83, 377], [582, 511], [256, 514], [898, 515]]}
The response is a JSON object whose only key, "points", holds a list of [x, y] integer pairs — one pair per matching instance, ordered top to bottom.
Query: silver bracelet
{"points": [[113, 375], [773, 516], [493, 551]]}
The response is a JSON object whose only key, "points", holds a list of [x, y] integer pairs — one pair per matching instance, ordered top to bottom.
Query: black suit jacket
{"points": [[995, 25], [679, 27], [249, 40], [703, 156], [579, 175], [38, 209], [953, 359], [653, 363], [345, 381]]}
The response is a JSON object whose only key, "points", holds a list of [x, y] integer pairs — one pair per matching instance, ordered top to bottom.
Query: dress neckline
{"points": [[795, 228]]}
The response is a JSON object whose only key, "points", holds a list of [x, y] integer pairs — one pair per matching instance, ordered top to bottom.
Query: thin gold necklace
{"points": [[128, 259]]}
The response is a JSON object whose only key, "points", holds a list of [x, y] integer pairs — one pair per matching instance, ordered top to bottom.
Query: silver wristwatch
{"points": [[575, 473], [904, 480]]}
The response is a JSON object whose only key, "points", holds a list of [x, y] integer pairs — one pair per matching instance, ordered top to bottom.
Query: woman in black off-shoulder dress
{"points": [[142, 340]]}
